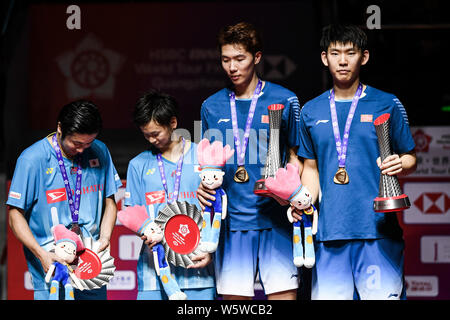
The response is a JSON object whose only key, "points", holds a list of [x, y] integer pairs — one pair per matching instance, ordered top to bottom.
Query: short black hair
{"points": [[243, 33], [343, 33], [157, 106], [81, 117]]}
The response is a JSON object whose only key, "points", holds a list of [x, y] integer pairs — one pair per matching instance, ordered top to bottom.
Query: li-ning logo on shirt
{"points": [[223, 120], [321, 121], [56, 195], [155, 197]]}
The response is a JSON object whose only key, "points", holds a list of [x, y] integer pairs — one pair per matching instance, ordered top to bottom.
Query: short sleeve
{"points": [[293, 122], [401, 138], [306, 147], [113, 182], [24, 188], [133, 189]]}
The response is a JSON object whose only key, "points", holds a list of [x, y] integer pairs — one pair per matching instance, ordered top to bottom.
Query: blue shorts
{"points": [[241, 254], [358, 269], [192, 294]]}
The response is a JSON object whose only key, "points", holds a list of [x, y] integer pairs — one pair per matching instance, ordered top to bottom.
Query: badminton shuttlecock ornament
{"points": [[212, 158], [287, 185]]}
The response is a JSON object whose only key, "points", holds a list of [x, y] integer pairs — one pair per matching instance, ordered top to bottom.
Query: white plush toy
{"points": [[212, 158], [287, 185], [136, 219], [67, 244]]}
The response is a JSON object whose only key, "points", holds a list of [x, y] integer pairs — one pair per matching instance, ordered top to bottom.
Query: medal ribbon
{"points": [[341, 145], [241, 148], [176, 187], [73, 205]]}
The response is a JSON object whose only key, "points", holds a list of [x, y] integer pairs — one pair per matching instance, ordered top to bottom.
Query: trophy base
{"points": [[260, 190], [391, 204]]}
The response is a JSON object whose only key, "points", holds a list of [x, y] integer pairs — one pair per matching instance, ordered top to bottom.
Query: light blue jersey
{"points": [[37, 187], [144, 187], [247, 211], [346, 211]]}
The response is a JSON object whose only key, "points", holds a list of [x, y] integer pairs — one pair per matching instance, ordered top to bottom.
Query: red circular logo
{"points": [[182, 234], [89, 265]]}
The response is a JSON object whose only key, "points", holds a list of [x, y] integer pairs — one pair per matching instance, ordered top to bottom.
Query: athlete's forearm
{"points": [[294, 159], [409, 163], [310, 178], [108, 219], [22, 231]]}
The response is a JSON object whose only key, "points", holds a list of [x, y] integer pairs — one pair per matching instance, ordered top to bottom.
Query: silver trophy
{"points": [[273, 160], [390, 196], [190, 212], [101, 277]]}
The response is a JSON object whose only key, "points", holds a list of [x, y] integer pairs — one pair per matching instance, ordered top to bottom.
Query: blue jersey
{"points": [[37, 187], [144, 187], [247, 211], [346, 211]]}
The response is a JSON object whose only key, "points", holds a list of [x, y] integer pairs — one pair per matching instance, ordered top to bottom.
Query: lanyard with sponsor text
{"points": [[176, 187], [74, 205]]}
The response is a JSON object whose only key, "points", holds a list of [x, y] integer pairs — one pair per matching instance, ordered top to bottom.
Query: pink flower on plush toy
{"points": [[213, 156], [287, 186], [136, 219], [67, 243]]}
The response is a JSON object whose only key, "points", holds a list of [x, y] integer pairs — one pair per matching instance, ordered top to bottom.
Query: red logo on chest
{"points": [[56, 195]]}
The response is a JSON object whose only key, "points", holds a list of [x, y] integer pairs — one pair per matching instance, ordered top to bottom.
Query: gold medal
{"points": [[241, 175], [341, 176]]}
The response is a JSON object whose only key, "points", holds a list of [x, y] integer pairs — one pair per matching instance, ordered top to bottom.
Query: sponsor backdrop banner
{"points": [[120, 51], [426, 224]]}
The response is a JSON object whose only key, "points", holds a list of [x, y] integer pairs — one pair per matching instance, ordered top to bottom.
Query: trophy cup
{"points": [[273, 161], [390, 196]]}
